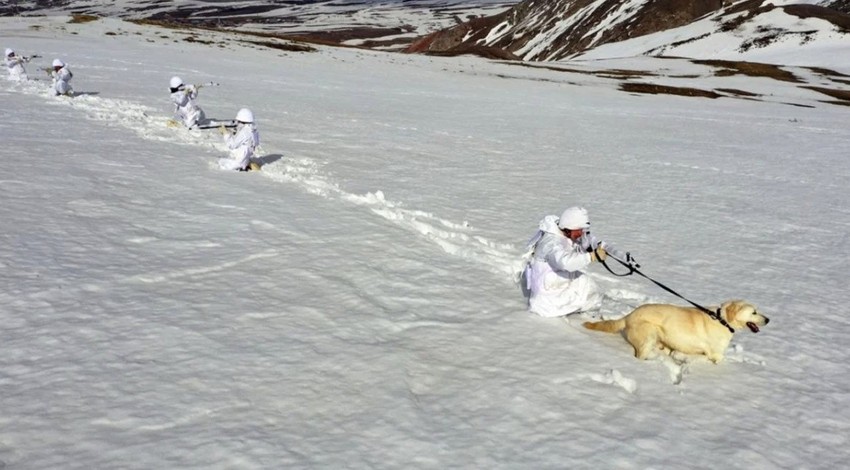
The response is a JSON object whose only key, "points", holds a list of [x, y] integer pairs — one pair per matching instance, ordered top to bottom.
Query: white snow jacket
{"points": [[15, 65], [61, 78], [185, 109], [243, 145], [553, 274]]}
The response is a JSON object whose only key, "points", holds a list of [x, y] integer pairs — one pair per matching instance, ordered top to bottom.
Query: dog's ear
{"points": [[730, 310]]}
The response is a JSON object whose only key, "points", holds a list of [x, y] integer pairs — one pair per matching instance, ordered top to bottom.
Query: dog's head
{"points": [[740, 314]]}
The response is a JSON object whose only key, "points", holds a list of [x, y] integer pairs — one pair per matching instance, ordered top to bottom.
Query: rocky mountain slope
{"points": [[533, 30], [552, 30]]}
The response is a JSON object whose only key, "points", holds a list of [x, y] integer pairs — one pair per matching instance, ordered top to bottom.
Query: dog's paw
{"points": [[680, 358]]}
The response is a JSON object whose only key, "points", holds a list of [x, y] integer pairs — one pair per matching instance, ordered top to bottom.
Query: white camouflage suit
{"points": [[15, 65], [61, 79], [185, 108], [243, 144], [556, 283]]}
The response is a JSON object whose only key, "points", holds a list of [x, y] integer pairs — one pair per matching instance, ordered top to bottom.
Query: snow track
{"points": [[456, 239]]}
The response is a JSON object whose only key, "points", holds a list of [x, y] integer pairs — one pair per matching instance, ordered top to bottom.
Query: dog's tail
{"points": [[608, 326]]}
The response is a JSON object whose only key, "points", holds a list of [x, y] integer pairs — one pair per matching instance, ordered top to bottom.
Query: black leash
{"points": [[633, 269]]}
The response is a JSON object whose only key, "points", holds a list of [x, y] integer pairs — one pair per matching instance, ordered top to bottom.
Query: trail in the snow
{"points": [[456, 239]]}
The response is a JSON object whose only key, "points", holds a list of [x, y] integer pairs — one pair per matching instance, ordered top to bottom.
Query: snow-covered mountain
{"points": [[380, 24], [532, 30], [554, 30]]}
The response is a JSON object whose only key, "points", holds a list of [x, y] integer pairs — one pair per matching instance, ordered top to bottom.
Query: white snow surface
{"points": [[352, 304]]}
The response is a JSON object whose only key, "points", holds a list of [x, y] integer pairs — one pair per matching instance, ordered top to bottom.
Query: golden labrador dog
{"points": [[688, 330]]}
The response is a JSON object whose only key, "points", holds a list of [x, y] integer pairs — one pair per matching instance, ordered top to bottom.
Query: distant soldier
{"points": [[15, 64], [61, 75], [185, 109], [242, 144]]}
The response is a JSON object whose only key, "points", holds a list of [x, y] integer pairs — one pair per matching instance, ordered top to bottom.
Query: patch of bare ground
{"points": [[743, 7], [741, 13], [83, 18], [839, 19], [163, 24], [339, 36], [770, 36], [326, 38], [196, 40], [398, 43], [290, 45], [282, 46], [660, 49], [493, 53], [728, 68], [826, 72], [618, 74], [622, 74], [544, 80], [653, 89], [736, 92], [842, 95], [840, 103], [802, 105]]}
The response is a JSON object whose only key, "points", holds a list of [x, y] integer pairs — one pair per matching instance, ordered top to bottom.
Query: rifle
{"points": [[29, 58], [204, 85], [216, 124]]}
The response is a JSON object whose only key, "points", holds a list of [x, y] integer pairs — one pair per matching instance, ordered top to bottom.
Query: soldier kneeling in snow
{"points": [[15, 64], [61, 75], [185, 109], [242, 144], [559, 252]]}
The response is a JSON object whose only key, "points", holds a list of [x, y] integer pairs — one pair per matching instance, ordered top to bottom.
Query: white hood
{"points": [[549, 224]]}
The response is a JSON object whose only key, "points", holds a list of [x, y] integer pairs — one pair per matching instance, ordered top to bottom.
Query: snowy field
{"points": [[352, 305]]}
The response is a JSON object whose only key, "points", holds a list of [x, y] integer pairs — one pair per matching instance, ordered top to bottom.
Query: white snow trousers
{"points": [[554, 294]]}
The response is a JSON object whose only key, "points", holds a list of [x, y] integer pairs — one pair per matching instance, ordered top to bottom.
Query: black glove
{"points": [[631, 261]]}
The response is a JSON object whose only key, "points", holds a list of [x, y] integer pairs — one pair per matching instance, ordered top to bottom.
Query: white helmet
{"points": [[9, 52], [58, 63], [175, 82], [245, 115], [574, 218]]}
